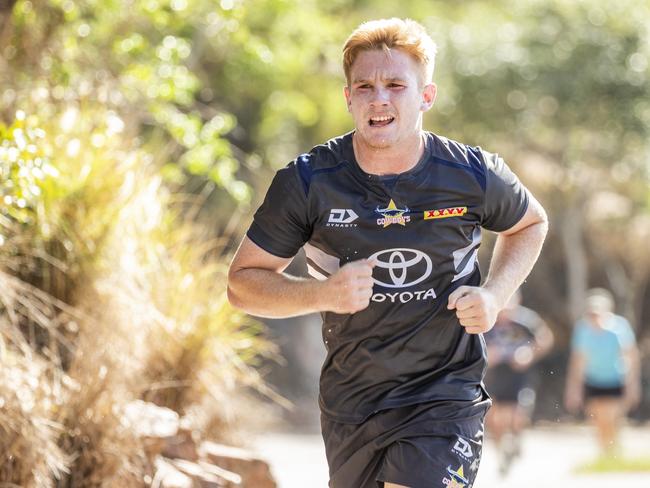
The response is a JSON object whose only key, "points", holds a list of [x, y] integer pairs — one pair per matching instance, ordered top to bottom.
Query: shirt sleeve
{"points": [[506, 198], [281, 225], [626, 336], [578, 338]]}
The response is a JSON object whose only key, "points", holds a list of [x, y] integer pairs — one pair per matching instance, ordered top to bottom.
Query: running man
{"points": [[390, 219], [519, 339], [603, 368]]}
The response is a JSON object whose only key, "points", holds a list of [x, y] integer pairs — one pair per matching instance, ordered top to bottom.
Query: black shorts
{"points": [[600, 392], [418, 446]]}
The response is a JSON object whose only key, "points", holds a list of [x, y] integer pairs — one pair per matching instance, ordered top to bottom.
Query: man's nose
{"points": [[380, 97]]}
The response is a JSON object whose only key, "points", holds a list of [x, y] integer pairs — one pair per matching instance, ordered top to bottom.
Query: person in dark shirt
{"points": [[390, 218], [519, 339]]}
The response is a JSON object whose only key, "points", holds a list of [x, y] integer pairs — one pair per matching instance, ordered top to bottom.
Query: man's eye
{"points": [[395, 85], [364, 86]]}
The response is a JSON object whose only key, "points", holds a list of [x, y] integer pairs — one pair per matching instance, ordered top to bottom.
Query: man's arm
{"points": [[515, 253], [258, 285], [544, 341], [539, 347], [633, 378]]}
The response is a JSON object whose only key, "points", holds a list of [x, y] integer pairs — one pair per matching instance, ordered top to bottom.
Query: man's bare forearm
{"points": [[515, 253], [513, 258], [265, 293], [270, 293], [575, 372]]}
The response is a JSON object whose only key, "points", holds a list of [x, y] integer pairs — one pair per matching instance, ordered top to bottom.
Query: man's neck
{"points": [[389, 160]]}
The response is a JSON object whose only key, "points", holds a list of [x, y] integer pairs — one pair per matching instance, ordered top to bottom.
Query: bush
{"points": [[109, 295]]}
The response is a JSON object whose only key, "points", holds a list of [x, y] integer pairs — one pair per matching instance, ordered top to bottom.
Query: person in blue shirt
{"points": [[603, 367]]}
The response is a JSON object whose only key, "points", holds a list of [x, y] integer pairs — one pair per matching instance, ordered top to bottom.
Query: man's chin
{"points": [[376, 141]]}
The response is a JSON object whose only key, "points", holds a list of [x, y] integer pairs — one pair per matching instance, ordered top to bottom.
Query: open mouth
{"points": [[380, 121]]}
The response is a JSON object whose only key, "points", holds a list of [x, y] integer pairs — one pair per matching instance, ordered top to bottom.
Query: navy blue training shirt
{"points": [[424, 228]]}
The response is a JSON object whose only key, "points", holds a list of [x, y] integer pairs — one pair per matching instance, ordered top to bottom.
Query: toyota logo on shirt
{"points": [[402, 266]]}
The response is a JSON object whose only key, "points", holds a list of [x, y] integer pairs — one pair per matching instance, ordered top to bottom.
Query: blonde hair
{"points": [[386, 34]]}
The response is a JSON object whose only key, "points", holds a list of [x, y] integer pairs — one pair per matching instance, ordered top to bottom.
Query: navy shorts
{"points": [[603, 392], [419, 446]]}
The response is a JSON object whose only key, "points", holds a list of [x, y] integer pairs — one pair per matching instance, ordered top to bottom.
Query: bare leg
{"points": [[606, 414], [520, 419], [493, 426], [502, 426], [393, 485]]}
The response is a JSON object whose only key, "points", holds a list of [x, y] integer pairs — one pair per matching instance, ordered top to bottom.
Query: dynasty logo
{"points": [[392, 215], [342, 217], [463, 448]]}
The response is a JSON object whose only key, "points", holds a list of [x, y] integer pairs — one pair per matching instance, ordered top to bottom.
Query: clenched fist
{"points": [[349, 289], [476, 308]]}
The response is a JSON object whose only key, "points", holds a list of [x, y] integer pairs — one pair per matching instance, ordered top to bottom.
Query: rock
{"points": [[149, 420], [153, 424], [182, 445], [172, 449], [255, 473], [206, 475], [167, 476]]}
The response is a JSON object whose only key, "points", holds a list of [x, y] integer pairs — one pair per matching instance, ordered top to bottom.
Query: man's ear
{"points": [[428, 96], [348, 102]]}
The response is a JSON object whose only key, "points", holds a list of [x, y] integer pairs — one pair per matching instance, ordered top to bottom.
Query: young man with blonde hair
{"points": [[390, 219]]}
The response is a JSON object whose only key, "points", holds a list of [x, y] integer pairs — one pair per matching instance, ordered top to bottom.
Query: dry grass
{"points": [[106, 296], [32, 386], [29, 454]]}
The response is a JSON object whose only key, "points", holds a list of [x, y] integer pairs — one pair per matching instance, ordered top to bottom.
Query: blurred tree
{"points": [[138, 60], [563, 87], [218, 93], [109, 292]]}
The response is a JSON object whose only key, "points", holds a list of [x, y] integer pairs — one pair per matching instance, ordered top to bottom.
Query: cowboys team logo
{"points": [[392, 215], [456, 478]]}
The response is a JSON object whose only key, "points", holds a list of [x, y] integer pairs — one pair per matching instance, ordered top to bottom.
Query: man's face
{"points": [[386, 97], [597, 318]]}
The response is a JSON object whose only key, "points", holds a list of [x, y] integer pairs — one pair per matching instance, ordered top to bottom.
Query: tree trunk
{"points": [[6, 7], [575, 256]]}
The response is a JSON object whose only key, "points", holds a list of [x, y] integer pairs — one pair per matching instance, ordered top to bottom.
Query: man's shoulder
{"points": [[454, 151], [328, 154], [323, 158], [471, 159], [620, 324], [582, 328]]}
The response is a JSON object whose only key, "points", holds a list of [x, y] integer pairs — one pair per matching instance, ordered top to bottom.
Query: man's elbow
{"points": [[538, 215], [543, 219], [538, 224], [233, 297]]}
